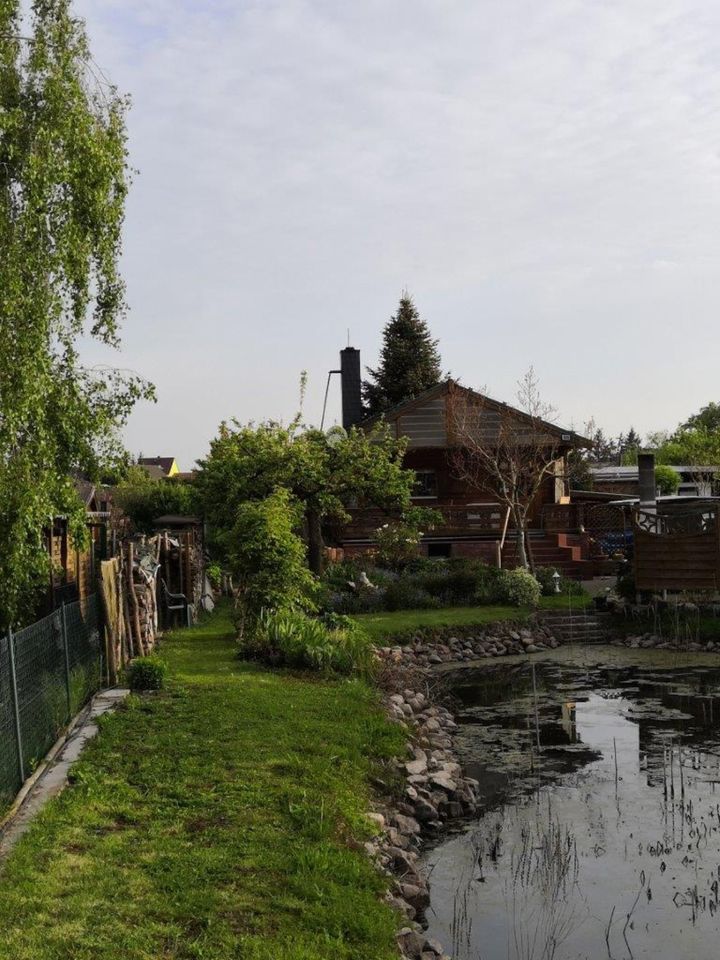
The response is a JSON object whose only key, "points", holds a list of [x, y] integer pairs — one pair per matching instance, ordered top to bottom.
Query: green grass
{"points": [[403, 622], [217, 819]]}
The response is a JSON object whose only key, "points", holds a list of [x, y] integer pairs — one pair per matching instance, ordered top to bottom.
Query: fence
{"points": [[47, 672]]}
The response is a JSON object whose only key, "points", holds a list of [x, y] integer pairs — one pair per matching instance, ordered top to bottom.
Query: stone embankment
{"points": [[652, 641], [433, 790]]}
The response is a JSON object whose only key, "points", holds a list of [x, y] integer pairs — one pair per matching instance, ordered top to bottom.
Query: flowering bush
{"points": [[398, 541], [521, 588]]}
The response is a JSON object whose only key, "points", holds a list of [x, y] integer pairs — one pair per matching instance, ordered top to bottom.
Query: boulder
{"points": [[425, 811]]}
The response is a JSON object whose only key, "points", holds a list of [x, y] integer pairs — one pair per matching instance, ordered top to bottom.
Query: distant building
{"points": [[159, 467], [695, 481], [474, 523]]}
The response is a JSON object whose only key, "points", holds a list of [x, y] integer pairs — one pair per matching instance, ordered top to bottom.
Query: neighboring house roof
{"points": [[444, 388], [166, 464], [153, 471], [610, 474], [85, 490], [95, 498], [177, 520]]}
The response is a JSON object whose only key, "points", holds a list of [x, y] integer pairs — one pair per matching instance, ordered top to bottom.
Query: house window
{"points": [[425, 484], [438, 550]]}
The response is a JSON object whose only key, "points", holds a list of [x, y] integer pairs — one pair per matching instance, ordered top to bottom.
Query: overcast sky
{"points": [[544, 177]]}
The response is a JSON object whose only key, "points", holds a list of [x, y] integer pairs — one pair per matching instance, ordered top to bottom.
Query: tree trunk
{"points": [[520, 535], [315, 541]]}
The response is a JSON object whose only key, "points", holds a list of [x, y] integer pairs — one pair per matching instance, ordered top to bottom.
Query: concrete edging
{"points": [[51, 776]]}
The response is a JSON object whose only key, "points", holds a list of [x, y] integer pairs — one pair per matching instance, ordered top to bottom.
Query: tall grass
{"points": [[292, 638]]}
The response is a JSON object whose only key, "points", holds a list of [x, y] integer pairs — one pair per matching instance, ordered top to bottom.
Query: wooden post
{"points": [[134, 602], [66, 651], [110, 654], [16, 706]]}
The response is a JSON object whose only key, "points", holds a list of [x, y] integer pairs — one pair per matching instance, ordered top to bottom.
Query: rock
{"points": [[531, 648], [416, 767], [444, 780], [425, 811], [378, 820], [407, 825], [397, 839], [371, 849], [417, 896], [402, 905], [411, 943], [433, 946]]}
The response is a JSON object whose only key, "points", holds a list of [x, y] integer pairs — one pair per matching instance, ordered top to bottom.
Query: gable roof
{"points": [[447, 386], [164, 463]]}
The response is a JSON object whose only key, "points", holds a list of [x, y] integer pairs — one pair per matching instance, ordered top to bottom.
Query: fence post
{"points": [[63, 621], [16, 705]]}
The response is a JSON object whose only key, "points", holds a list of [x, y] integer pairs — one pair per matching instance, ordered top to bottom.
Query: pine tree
{"points": [[409, 361], [602, 448]]}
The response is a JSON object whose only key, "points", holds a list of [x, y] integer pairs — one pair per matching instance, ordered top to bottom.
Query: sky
{"points": [[544, 178]]}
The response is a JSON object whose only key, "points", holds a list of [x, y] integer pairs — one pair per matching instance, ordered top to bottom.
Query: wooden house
{"points": [[159, 468], [624, 481], [475, 523]]}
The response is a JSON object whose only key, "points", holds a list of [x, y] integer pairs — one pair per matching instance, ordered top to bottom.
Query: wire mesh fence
{"points": [[47, 672]]}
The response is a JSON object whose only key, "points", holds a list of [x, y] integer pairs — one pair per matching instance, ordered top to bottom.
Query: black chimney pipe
{"points": [[352, 409], [646, 477]]}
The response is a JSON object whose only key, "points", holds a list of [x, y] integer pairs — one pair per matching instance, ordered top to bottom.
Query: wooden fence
{"points": [[678, 551]]}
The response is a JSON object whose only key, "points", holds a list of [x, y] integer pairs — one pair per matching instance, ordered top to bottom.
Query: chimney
{"points": [[352, 410], [646, 476]]}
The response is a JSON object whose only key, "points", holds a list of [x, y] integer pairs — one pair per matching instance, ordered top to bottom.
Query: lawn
{"points": [[403, 622], [217, 819]]}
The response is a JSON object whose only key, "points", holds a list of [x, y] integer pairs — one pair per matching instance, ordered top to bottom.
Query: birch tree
{"points": [[63, 183], [504, 451]]}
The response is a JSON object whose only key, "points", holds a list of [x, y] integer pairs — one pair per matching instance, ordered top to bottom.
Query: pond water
{"points": [[599, 772]]}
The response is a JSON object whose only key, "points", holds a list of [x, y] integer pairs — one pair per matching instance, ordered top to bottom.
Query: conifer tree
{"points": [[409, 361]]}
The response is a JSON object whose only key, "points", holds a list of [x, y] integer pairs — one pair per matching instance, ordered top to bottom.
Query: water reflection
{"points": [[601, 833]]}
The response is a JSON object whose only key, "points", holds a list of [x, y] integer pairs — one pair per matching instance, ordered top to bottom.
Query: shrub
{"points": [[667, 480], [144, 499], [267, 558], [214, 575], [545, 576], [424, 584], [625, 585], [521, 588], [406, 594], [292, 638], [147, 673]]}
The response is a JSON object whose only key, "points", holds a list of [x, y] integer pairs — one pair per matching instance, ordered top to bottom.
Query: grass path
{"points": [[216, 819]]}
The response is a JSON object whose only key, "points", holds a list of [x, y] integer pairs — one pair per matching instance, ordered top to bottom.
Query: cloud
{"points": [[527, 170]]}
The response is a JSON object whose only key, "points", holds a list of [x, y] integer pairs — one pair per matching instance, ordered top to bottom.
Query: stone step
{"points": [[583, 627]]}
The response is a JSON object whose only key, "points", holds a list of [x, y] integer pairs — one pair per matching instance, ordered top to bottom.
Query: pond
{"points": [[599, 771]]}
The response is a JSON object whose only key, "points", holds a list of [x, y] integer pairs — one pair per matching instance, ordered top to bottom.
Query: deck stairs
{"points": [[565, 552]]}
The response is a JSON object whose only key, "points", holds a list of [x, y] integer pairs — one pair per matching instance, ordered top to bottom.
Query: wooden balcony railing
{"points": [[482, 519]]}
